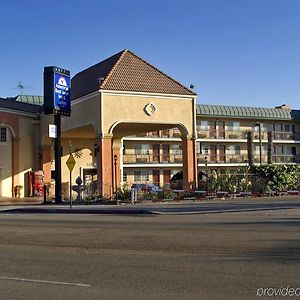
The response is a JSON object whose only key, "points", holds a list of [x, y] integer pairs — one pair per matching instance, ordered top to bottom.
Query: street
{"points": [[148, 256]]}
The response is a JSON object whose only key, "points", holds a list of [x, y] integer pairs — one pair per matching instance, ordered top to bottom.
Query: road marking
{"points": [[45, 281]]}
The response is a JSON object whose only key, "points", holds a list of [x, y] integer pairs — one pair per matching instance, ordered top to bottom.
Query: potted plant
{"points": [[17, 191]]}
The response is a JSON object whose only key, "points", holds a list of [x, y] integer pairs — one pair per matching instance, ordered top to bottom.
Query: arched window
{"points": [[3, 135]]}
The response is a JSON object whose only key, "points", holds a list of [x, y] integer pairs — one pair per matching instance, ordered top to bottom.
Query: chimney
{"points": [[283, 106]]}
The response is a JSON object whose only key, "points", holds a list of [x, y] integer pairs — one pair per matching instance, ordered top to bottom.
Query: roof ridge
{"points": [[94, 65], [152, 66], [113, 68], [235, 106]]}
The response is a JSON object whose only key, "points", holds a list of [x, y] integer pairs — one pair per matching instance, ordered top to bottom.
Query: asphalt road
{"points": [[196, 256]]}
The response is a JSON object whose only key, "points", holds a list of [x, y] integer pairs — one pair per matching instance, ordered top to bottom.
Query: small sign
{"points": [[62, 99], [52, 131], [70, 163]]}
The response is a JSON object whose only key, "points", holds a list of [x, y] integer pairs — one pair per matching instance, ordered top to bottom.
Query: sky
{"points": [[234, 52]]}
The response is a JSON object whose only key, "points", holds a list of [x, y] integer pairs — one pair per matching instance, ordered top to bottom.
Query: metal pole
{"points": [[260, 144], [57, 150], [115, 164], [70, 177], [70, 189]]}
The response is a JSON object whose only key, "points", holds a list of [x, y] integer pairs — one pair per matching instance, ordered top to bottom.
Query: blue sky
{"points": [[235, 52]]}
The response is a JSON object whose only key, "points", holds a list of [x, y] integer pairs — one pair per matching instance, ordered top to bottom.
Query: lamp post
{"points": [[260, 142], [115, 165], [206, 170]]}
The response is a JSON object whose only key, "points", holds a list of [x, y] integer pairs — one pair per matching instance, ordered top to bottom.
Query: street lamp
{"points": [[260, 142], [115, 164], [206, 170]]}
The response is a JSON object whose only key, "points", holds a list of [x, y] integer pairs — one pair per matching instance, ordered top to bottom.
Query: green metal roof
{"points": [[36, 100], [247, 112]]}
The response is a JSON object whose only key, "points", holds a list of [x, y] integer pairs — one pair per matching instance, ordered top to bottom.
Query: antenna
{"points": [[21, 87]]}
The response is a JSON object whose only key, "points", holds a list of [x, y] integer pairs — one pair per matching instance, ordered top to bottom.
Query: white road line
{"points": [[45, 281]]}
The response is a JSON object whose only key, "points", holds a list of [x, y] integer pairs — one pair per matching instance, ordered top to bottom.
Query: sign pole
{"points": [[57, 101], [57, 146], [70, 152], [70, 164], [70, 189]]}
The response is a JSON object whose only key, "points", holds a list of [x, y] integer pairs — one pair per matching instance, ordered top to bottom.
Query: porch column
{"points": [[103, 149], [189, 160], [45, 163], [116, 163]]}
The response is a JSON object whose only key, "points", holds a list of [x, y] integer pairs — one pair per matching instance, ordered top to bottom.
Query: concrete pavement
{"points": [[182, 207]]}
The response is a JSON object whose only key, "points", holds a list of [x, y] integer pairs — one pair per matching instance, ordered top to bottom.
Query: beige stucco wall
{"points": [[130, 108], [84, 112], [29, 146], [86, 161]]}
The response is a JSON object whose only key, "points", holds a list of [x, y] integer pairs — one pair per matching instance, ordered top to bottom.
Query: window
{"points": [[203, 125], [233, 126], [264, 127], [3, 135], [142, 149], [176, 149], [204, 150], [234, 150], [264, 150], [141, 176], [125, 177]]}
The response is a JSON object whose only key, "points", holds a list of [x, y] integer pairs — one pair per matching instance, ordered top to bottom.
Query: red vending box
{"points": [[38, 183]]}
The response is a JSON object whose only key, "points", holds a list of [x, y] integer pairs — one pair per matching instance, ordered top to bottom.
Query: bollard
{"points": [[45, 194], [133, 196]]}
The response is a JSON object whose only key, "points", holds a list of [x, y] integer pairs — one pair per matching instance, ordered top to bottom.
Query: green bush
{"points": [[278, 177], [124, 194], [165, 194]]}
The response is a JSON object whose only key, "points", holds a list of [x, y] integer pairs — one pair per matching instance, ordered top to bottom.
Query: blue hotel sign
{"points": [[57, 91]]}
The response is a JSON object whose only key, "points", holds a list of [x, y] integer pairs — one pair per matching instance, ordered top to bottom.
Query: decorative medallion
{"points": [[150, 109], [78, 152]]}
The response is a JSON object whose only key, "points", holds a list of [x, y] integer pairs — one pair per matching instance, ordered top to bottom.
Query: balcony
{"points": [[221, 134], [226, 134], [286, 136], [152, 158], [222, 158], [286, 158], [244, 159]]}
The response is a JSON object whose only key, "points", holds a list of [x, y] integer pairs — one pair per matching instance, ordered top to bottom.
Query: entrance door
{"points": [[212, 129], [221, 130], [155, 149], [166, 152], [213, 153], [222, 156], [155, 175], [167, 176], [90, 180]]}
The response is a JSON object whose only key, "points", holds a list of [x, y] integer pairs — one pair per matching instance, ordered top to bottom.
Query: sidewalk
{"points": [[21, 201]]}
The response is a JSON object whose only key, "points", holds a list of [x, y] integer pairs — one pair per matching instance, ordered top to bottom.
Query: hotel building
{"points": [[132, 123]]}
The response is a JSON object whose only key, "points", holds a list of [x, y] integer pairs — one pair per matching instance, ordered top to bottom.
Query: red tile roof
{"points": [[125, 71]]}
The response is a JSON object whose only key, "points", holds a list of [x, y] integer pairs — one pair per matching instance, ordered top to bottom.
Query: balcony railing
{"points": [[170, 133], [221, 134], [226, 134], [151, 158], [222, 158], [244, 158], [286, 158]]}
